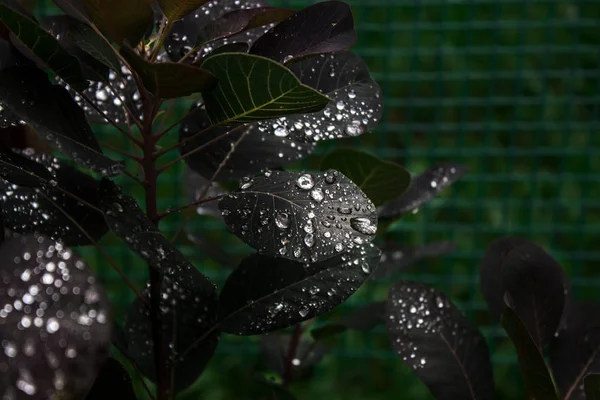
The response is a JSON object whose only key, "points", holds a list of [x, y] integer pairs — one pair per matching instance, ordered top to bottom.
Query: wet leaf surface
{"points": [[237, 21], [61, 26], [324, 27], [185, 32], [93, 44], [43, 45], [170, 80], [253, 88], [355, 105], [53, 113], [257, 150], [19, 169], [381, 180], [422, 189], [48, 209], [300, 216], [397, 258], [265, 294], [188, 308], [56, 326], [436, 340], [274, 349], [575, 352], [537, 376], [113, 382]]}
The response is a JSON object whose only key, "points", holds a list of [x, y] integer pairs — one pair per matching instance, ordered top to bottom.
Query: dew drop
{"points": [[340, 105], [280, 131], [305, 182], [317, 195], [282, 220], [363, 225], [309, 240], [303, 312]]}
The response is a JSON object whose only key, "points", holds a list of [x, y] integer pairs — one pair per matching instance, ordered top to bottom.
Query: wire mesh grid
{"points": [[510, 89]]}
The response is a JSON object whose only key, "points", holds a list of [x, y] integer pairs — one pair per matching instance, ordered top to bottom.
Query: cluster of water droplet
{"points": [[185, 33], [121, 91], [355, 107], [303, 217], [52, 311], [419, 314]]}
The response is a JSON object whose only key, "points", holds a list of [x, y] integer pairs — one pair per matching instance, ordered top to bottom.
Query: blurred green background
{"points": [[509, 88]]}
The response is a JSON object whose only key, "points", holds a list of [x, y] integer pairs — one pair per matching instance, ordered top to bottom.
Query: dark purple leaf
{"points": [[237, 21], [60, 27], [324, 27], [184, 34], [36, 43], [236, 47], [355, 106], [52, 112], [7, 118], [257, 151], [19, 169], [423, 188], [48, 210], [300, 216], [397, 258], [522, 273], [533, 281], [265, 294], [188, 307], [363, 318], [55, 323], [437, 341], [274, 349], [575, 351], [537, 376], [113, 382]]}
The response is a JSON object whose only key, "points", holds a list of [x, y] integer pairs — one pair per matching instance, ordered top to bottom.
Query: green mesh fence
{"points": [[510, 89]]}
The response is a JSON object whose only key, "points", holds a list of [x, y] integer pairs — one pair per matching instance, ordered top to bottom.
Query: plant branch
{"points": [[164, 31], [173, 125], [199, 148], [121, 152], [196, 203], [288, 367]]}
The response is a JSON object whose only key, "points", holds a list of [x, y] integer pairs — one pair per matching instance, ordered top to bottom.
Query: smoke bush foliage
{"points": [[264, 86]]}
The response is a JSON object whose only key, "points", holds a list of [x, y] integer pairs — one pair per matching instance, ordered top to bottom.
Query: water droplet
{"points": [[287, 58], [340, 105], [354, 129], [281, 132], [305, 182], [317, 195], [282, 220], [363, 225], [309, 240], [365, 267], [314, 290], [303, 312]]}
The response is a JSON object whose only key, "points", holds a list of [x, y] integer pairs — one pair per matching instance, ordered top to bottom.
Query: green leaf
{"points": [[177, 9], [121, 20], [89, 41], [44, 46], [170, 80], [255, 88], [381, 180], [537, 376], [592, 387]]}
